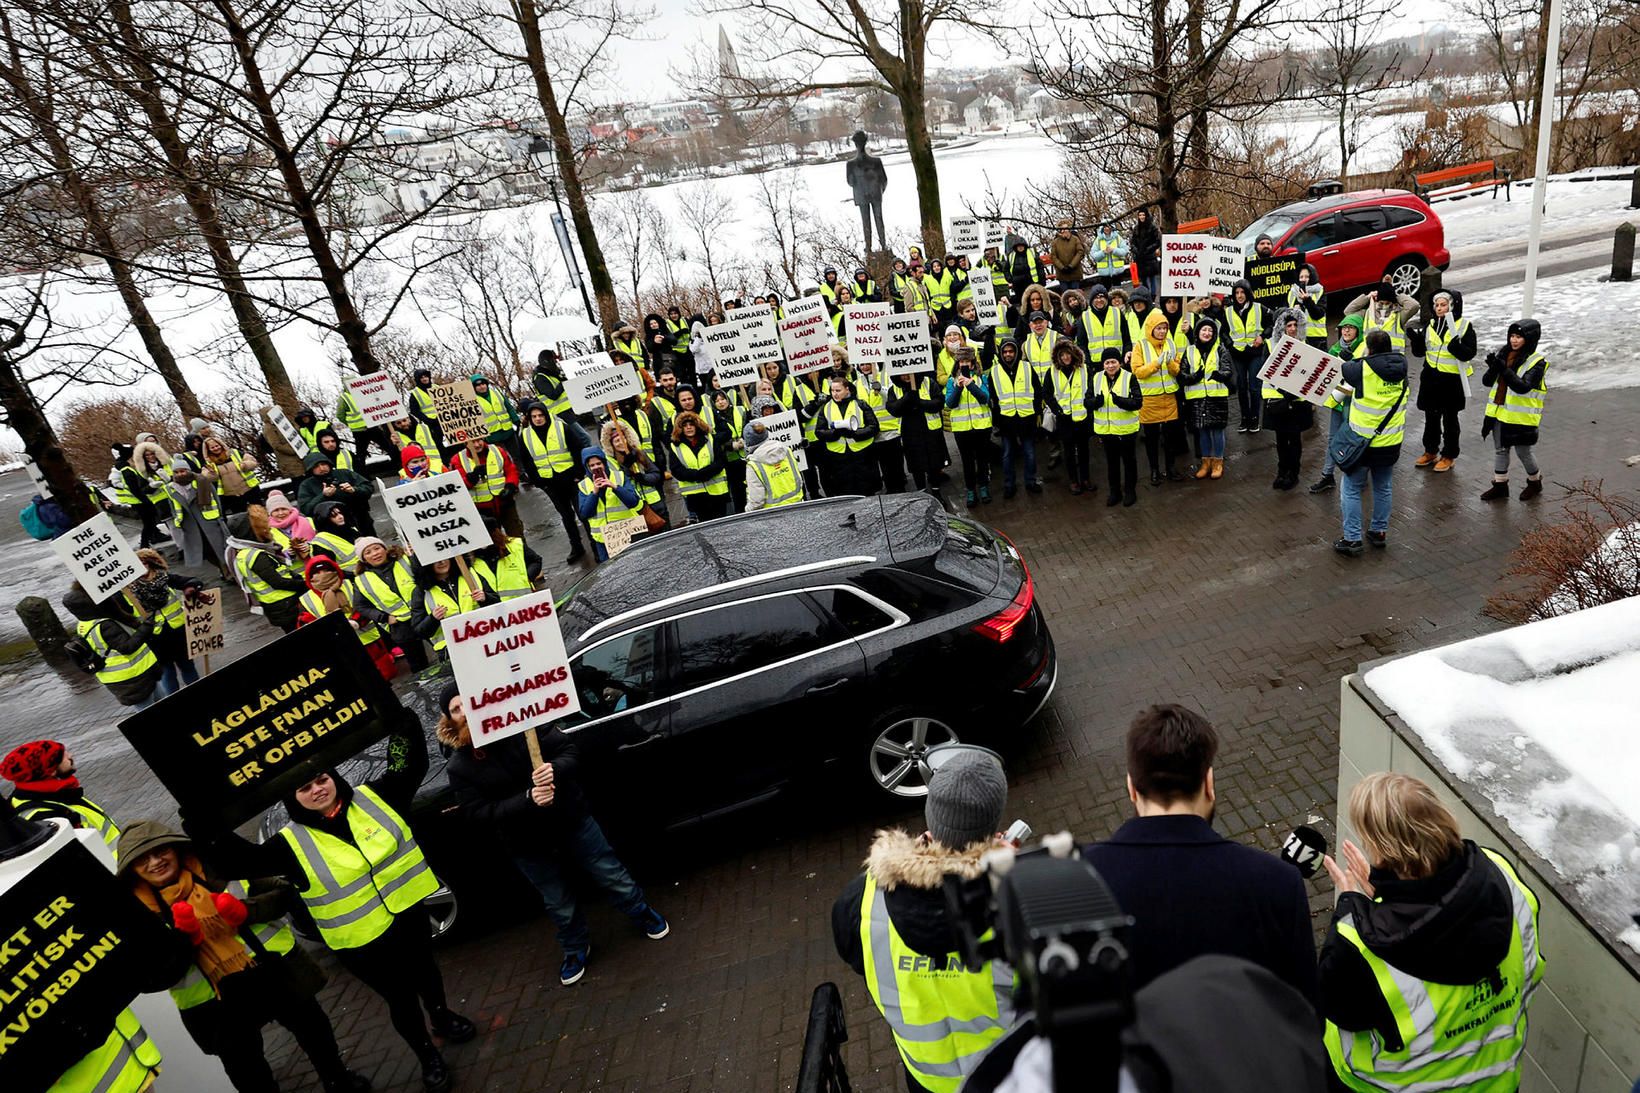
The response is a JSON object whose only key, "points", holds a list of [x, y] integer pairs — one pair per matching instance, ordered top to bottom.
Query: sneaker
{"points": [[1425, 461], [1324, 484], [1534, 486], [1033, 487], [1497, 491], [985, 495], [973, 501], [1379, 539], [1351, 548], [653, 924], [573, 967], [453, 1027]]}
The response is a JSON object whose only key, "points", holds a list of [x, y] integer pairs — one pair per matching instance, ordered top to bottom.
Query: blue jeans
{"points": [[1333, 425], [1212, 443], [1012, 444], [1349, 499], [170, 673], [163, 688], [588, 848]]}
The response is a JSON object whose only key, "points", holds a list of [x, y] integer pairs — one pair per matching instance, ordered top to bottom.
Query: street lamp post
{"points": [[542, 149], [1540, 183]]}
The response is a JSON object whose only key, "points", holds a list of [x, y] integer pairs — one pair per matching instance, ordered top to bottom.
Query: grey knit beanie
{"points": [[966, 797]]}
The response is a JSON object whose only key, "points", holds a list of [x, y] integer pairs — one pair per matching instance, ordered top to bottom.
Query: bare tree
{"points": [[1353, 66], [630, 216], [705, 216], [787, 227]]}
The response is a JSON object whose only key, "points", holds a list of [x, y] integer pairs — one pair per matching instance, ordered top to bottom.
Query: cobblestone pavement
{"points": [[1221, 595]]}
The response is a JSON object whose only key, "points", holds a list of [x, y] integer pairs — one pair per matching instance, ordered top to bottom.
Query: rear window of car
{"points": [[1401, 217], [1358, 223], [969, 555], [857, 614], [744, 636]]}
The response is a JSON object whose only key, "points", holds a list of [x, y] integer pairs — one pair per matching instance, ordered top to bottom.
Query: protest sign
{"points": [[964, 235], [995, 236], [1198, 265], [1272, 277], [985, 297], [806, 335], [867, 336], [726, 344], [908, 347], [1302, 370], [596, 379], [377, 399], [459, 412], [785, 428], [292, 435], [41, 486], [437, 517], [618, 534], [99, 557], [204, 625], [511, 666], [242, 738], [75, 949]]}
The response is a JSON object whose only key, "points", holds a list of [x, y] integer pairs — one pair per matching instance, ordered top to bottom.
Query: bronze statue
{"points": [[868, 179]]}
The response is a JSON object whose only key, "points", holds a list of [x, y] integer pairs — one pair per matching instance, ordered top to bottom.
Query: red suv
{"points": [[1359, 239]]}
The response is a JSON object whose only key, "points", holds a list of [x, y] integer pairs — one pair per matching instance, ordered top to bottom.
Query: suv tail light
{"points": [[1001, 626]]}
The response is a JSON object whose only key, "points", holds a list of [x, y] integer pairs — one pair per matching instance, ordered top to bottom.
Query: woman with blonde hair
{"points": [[1432, 955]]}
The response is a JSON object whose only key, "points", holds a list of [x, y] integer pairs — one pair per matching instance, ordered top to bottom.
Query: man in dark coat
{"points": [[327, 482], [540, 816], [1190, 890]]}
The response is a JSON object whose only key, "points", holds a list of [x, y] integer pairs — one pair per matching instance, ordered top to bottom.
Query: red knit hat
{"points": [[409, 452], [35, 761]]}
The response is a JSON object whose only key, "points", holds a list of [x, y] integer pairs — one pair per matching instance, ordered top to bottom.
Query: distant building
{"points": [[728, 63], [1039, 105], [988, 111], [943, 112]]}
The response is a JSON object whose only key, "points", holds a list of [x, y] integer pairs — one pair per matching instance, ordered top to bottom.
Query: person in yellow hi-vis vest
{"points": [[1517, 373], [1377, 386], [360, 873], [892, 927], [1433, 954], [245, 968]]}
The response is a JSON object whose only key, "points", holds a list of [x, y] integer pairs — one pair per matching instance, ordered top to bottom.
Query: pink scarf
{"points": [[295, 525]]}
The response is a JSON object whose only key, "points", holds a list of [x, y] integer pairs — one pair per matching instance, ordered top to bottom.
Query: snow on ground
{"points": [[1570, 205], [1587, 346], [1539, 721]]}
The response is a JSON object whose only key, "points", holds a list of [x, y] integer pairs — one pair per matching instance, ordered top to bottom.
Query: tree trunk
{"points": [[528, 19], [145, 89], [914, 110], [1343, 136], [1167, 155], [348, 323], [29, 421]]}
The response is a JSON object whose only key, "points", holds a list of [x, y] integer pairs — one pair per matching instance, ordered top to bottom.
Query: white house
{"points": [[988, 111]]}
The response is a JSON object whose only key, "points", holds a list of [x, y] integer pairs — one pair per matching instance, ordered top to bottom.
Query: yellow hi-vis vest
{"points": [[939, 289], [1390, 326], [1313, 327], [1244, 330], [1102, 335], [633, 349], [1039, 351], [1436, 353], [1161, 381], [1211, 385], [925, 392], [1071, 392], [1015, 394], [874, 395], [421, 404], [1372, 404], [1519, 409], [348, 410], [971, 411], [841, 413], [496, 418], [1110, 419], [422, 437], [551, 456], [697, 460], [782, 482], [488, 485], [610, 506], [212, 512], [345, 553], [509, 576], [251, 582], [390, 599], [313, 605], [455, 605], [117, 666], [81, 813], [355, 888], [194, 989], [944, 1017], [1464, 1037], [125, 1063]]}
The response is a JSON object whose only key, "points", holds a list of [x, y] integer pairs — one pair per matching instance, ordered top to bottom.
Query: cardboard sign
{"points": [[964, 235], [995, 236], [1199, 265], [1272, 277], [985, 298], [806, 335], [867, 335], [908, 346], [1302, 370], [596, 379], [377, 399], [459, 412], [785, 428], [292, 435], [41, 486], [437, 517], [618, 534], [99, 557], [204, 625], [511, 666], [238, 741], [75, 949]]}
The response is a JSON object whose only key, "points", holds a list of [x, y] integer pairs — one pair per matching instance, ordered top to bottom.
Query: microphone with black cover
{"points": [[1304, 850]]}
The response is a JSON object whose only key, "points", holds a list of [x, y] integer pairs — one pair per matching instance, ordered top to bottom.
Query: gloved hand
{"points": [[1494, 360], [230, 908], [182, 914]]}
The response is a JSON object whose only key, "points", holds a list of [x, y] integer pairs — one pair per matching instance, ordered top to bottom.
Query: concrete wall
{"points": [[1583, 1023]]}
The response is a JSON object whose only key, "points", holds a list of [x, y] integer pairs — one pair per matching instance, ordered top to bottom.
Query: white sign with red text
{"points": [[1200, 265], [805, 334], [867, 334], [1302, 370], [377, 399], [511, 667]]}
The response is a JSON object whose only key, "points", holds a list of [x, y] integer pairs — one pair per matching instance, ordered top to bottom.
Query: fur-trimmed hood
{"points": [[150, 447], [899, 858]]}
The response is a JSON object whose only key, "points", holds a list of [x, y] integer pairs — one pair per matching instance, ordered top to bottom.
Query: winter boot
{"points": [[1425, 461], [1443, 464], [1218, 468], [1205, 469], [1324, 484], [1534, 486], [1497, 491], [985, 495], [973, 501], [452, 1027]]}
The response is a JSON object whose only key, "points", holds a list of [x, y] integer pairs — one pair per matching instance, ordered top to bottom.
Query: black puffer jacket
{"points": [[1504, 370], [123, 633], [910, 874], [1452, 927]]}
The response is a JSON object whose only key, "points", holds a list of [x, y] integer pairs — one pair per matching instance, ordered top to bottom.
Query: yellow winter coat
{"points": [[1155, 408]]}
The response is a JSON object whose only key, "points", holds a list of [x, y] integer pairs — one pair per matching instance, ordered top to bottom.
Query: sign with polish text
{"points": [[1199, 265], [867, 334], [806, 336], [908, 347], [1302, 370], [596, 379], [378, 400], [460, 414], [437, 517], [99, 557], [203, 623], [511, 666]]}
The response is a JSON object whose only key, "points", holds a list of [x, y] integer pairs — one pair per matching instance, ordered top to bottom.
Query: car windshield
{"points": [[1275, 224]]}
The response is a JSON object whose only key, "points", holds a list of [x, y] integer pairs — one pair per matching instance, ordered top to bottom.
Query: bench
{"points": [[1425, 183], [1205, 224]]}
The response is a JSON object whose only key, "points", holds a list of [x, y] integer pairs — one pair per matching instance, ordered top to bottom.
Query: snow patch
{"points": [[1586, 350]]}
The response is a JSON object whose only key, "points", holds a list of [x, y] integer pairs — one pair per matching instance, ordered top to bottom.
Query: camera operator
{"points": [[1191, 890], [891, 926]]}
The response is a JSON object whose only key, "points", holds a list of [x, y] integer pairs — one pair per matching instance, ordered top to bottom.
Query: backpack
{"points": [[32, 522], [85, 658]]}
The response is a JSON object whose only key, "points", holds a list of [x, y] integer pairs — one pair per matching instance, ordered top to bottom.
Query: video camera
{"points": [[1049, 916]]}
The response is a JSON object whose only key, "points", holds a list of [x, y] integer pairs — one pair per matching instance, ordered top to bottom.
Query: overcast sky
{"points": [[673, 33]]}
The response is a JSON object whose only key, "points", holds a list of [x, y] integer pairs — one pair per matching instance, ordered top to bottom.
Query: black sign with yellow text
{"points": [[1271, 278], [245, 736]]}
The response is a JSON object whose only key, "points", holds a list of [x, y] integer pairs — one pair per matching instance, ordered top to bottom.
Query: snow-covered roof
{"points": [[1540, 721]]}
